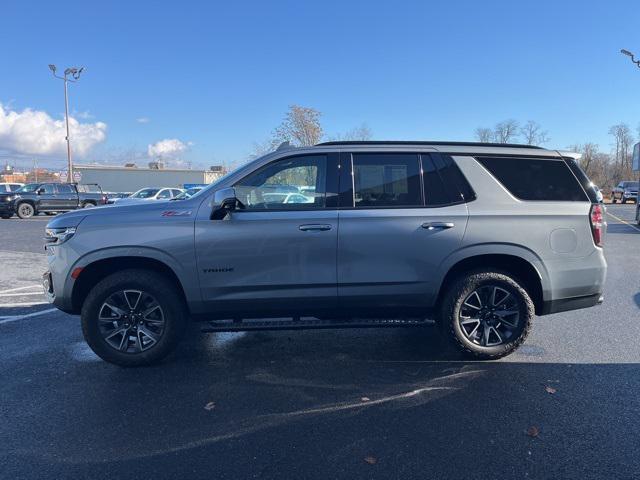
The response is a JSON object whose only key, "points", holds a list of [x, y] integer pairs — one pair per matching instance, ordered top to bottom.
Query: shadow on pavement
{"points": [[321, 404]]}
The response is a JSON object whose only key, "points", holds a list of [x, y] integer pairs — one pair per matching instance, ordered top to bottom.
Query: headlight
{"points": [[57, 236]]}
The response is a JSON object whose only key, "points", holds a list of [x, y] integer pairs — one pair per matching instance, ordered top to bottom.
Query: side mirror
{"points": [[224, 201]]}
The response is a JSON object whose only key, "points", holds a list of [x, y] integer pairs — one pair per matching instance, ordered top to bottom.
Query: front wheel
{"points": [[26, 210], [486, 315], [133, 318]]}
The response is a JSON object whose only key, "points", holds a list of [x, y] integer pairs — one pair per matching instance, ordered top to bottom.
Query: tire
{"points": [[613, 199], [623, 200], [88, 205], [25, 210], [456, 310], [120, 348]]}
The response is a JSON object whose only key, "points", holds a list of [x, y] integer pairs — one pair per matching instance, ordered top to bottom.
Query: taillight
{"points": [[597, 223]]}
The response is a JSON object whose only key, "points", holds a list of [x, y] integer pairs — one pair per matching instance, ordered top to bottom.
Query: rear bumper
{"points": [[575, 303]]}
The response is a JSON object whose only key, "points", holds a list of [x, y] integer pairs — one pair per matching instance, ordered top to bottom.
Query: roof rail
{"points": [[410, 142]]}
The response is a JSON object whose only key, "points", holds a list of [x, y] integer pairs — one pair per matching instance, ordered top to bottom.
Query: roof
{"points": [[433, 143]]}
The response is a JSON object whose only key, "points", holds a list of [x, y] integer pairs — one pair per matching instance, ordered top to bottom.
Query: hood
{"points": [[73, 218]]}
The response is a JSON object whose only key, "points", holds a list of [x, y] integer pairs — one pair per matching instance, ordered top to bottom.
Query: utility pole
{"points": [[75, 74]]}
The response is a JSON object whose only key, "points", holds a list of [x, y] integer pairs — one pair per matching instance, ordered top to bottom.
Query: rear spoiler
{"points": [[575, 155]]}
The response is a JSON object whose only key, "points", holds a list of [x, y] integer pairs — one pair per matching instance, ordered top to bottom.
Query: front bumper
{"points": [[7, 208]]}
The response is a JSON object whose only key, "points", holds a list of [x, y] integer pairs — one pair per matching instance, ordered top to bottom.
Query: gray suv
{"points": [[479, 237]]}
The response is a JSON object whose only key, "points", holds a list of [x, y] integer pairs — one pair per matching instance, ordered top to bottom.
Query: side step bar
{"points": [[309, 323]]}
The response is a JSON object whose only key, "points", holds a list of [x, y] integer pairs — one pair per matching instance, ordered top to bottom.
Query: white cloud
{"points": [[143, 120], [34, 132], [169, 148]]}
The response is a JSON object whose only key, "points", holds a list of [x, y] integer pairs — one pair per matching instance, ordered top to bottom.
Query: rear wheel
{"points": [[88, 205], [25, 210], [487, 314], [133, 318]]}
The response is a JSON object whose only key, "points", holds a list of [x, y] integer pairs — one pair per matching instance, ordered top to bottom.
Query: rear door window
{"points": [[535, 179], [386, 180], [64, 188]]}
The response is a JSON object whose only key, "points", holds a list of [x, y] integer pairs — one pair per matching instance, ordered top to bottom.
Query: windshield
{"points": [[29, 187], [145, 193]]}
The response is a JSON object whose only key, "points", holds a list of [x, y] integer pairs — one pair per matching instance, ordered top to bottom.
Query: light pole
{"points": [[637, 62], [75, 74]]}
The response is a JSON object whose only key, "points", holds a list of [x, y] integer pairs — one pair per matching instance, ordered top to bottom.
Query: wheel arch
{"points": [[521, 268], [95, 271]]}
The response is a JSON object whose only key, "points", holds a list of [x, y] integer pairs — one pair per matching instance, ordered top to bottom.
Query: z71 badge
{"points": [[176, 213]]}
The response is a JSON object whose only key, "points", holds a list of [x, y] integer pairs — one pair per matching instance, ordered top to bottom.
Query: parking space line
{"points": [[623, 221], [20, 288], [20, 294], [22, 304], [28, 315]]}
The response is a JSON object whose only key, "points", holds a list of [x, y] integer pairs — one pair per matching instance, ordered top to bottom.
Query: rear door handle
{"points": [[440, 225], [314, 228]]}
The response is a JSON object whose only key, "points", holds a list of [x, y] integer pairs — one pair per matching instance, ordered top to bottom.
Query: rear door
{"points": [[66, 197], [395, 228], [272, 255]]}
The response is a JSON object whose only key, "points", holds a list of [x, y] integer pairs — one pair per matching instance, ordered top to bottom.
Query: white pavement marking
{"points": [[623, 221], [21, 288], [20, 294], [25, 304], [28, 315]]}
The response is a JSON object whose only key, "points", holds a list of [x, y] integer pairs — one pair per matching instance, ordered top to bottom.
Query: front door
{"points": [[47, 198], [395, 229], [277, 251]]}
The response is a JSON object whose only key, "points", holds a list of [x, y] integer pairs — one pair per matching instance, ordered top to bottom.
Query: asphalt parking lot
{"points": [[391, 403]]}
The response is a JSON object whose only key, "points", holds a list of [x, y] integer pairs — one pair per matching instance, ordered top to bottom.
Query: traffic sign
{"points": [[63, 176], [77, 176]]}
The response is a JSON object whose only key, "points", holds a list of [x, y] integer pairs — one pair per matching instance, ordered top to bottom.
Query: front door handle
{"points": [[438, 225], [314, 228]]}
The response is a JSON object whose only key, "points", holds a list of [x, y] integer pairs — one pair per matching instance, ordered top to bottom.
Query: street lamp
{"points": [[629, 54], [75, 74], [635, 147]]}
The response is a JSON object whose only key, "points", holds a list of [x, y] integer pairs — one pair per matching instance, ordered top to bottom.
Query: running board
{"points": [[308, 324]]}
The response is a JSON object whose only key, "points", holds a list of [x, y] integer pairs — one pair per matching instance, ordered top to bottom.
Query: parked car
{"points": [[10, 187], [625, 191], [188, 193], [148, 194], [599, 194], [113, 196], [34, 198], [286, 198], [400, 230]]}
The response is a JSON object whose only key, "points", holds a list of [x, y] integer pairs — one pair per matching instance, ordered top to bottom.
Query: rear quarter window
{"points": [[536, 179]]}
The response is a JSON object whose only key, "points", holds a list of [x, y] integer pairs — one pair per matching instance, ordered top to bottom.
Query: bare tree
{"points": [[301, 126], [506, 131], [360, 133], [533, 134], [484, 135], [623, 140]]}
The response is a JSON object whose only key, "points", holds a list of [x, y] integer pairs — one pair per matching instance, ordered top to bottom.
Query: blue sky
{"points": [[221, 74]]}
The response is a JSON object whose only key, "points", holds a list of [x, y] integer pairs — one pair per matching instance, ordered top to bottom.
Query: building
{"points": [[131, 178]]}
